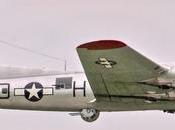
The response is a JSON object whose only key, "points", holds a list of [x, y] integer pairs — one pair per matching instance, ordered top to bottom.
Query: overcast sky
{"points": [[57, 27]]}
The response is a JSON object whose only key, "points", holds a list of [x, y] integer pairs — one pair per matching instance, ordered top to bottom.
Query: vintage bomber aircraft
{"points": [[118, 79]]}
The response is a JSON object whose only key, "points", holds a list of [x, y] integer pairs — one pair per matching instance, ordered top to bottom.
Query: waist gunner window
{"points": [[63, 83]]}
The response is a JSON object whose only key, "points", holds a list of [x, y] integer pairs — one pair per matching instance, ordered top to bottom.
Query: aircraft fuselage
{"points": [[72, 92]]}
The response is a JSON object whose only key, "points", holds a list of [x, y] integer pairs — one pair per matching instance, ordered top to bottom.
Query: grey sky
{"points": [[56, 27]]}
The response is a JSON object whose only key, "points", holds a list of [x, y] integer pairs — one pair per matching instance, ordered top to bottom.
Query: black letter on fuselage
{"points": [[83, 88]]}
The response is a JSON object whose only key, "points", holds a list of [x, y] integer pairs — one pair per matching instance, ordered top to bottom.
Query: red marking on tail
{"points": [[103, 45]]}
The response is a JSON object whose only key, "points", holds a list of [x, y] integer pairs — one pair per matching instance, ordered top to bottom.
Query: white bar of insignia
{"points": [[48, 91], [19, 92]]}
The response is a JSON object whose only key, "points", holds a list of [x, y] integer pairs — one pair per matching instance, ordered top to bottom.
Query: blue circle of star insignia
{"points": [[33, 91]]}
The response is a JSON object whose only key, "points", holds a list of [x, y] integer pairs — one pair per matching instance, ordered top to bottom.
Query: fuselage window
{"points": [[63, 83], [4, 90]]}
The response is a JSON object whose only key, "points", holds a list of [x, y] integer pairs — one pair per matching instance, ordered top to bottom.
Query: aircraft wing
{"points": [[114, 69]]}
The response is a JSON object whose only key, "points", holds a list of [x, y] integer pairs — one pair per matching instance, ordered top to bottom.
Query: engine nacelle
{"points": [[90, 114]]}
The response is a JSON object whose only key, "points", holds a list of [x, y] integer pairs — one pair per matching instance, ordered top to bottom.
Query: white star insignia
{"points": [[34, 91]]}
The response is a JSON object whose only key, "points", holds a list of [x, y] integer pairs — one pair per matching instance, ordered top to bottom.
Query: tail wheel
{"points": [[90, 115]]}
